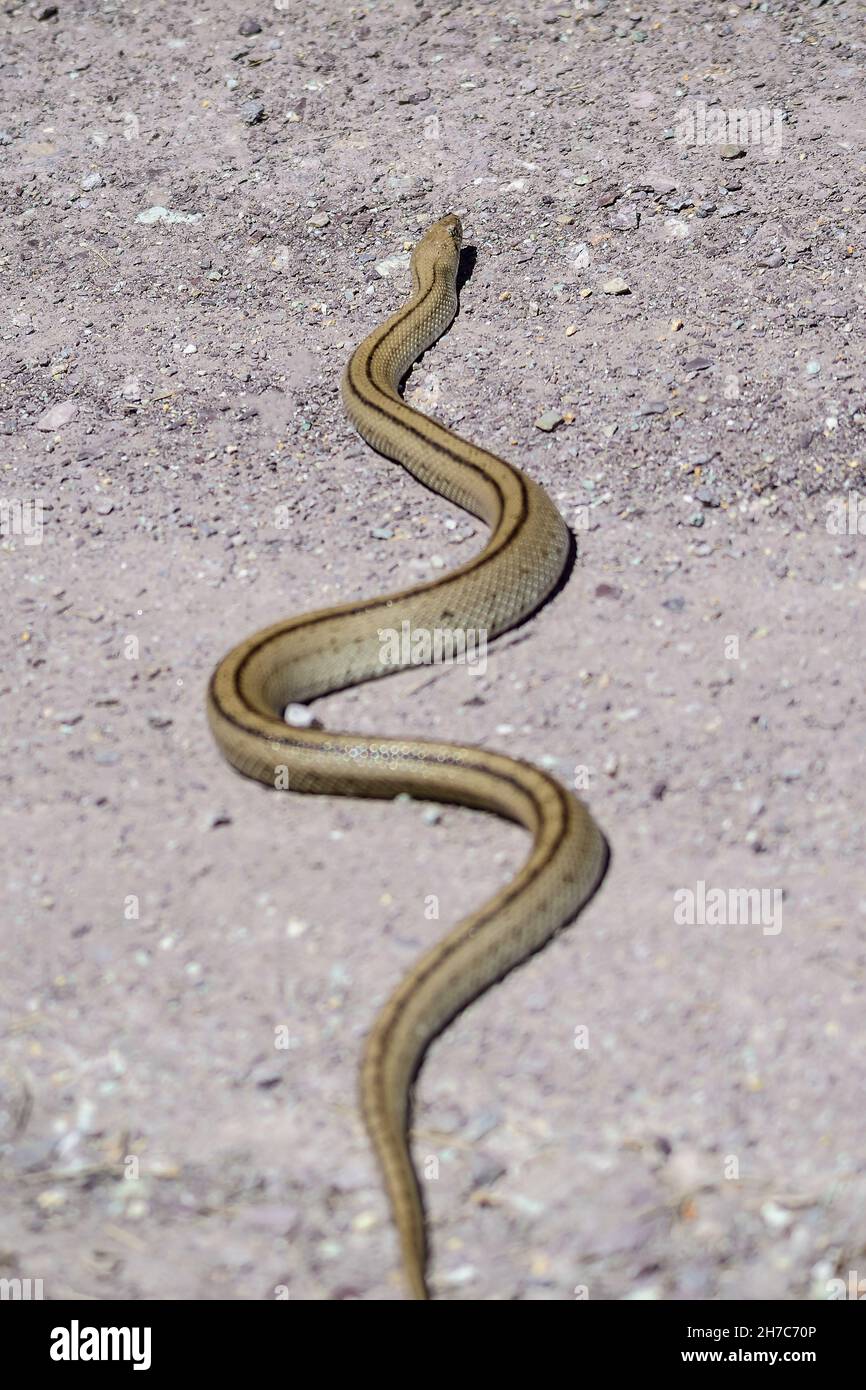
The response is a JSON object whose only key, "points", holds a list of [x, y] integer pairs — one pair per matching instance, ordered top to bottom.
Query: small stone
{"points": [[46, 12], [249, 26], [414, 98], [253, 112], [731, 152], [91, 181], [656, 183], [705, 209], [160, 214], [319, 219], [624, 220], [577, 255], [773, 260], [392, 265], [615, 286], [697, 364], [813, 368], [57, 416], [549, 421], [707, 496], [104, 507], [382, 533], [607, 591], [676, 604], [69, 717], [301, 717], [267, 1075], [486, 1170], [53, 1198], [775, 1216]]}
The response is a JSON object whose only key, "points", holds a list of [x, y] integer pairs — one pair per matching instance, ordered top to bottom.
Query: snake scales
{"points": [[304, 657]]}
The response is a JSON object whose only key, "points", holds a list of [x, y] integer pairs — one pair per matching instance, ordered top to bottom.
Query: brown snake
{"points": [[302, 658]]}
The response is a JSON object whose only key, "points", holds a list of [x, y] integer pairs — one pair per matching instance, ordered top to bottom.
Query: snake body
{"points": [[308, 656]]}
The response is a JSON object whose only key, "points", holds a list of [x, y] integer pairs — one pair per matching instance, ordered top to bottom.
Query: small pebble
{"points": [[249, 26], [253, 112], [731, 152], [160, 214], [624, 220], [392, 265], [615, 286], [57, 416], [549, 421], [301, 717]]}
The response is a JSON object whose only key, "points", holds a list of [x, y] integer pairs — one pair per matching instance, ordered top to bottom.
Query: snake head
{"points": [[453, 228], [441, 244]]}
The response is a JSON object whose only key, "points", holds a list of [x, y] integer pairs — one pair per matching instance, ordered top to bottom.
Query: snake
{"points": [[302, 658]]}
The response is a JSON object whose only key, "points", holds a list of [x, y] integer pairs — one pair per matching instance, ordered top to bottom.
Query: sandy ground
{"points": [[652, 1108]]}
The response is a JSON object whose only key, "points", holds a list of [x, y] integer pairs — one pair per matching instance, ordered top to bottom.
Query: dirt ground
{"points": [[206, 208]]}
